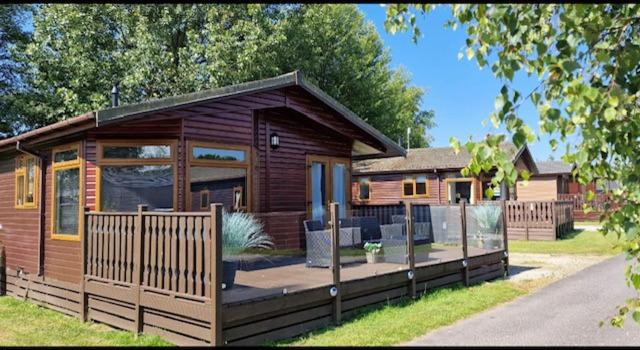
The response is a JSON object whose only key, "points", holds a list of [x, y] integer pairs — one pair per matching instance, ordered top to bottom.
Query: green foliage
{"points": [[79, 51], [586, 58], [487, 217], [242, 231], [373, 247]]}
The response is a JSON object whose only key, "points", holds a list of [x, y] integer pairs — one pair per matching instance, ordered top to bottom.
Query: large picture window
{"points": [[133, 173], [218, 174], [26, 191], [67, 192]]}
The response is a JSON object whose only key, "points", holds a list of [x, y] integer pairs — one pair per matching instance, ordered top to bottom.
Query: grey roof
{"points": [[294, 78], [427, 159], [554, 167]]}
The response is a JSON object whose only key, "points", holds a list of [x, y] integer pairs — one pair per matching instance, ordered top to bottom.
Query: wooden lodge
{"points": [[115, 216]]}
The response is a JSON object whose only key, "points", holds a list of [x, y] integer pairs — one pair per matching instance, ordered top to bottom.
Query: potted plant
{"points": [[487, 217], [240, 231], [373, 252]]}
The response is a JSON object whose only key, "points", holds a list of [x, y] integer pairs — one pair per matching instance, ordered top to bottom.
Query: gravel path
{"points": [[566, 312]]}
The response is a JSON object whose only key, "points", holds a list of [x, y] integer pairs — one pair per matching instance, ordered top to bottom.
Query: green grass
{"points": [[588, 222], [578, 242], [26, 324], [393, 324]]}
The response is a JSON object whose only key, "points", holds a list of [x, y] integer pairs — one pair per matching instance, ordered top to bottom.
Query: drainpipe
{"points": [[41, 204]]}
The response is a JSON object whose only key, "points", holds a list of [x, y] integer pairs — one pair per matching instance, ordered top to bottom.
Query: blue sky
{"points": [[461, 94]]}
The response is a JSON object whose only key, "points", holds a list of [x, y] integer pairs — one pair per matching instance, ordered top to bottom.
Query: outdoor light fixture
{"points": [[275, 140], [410, 275], [333, 291]]}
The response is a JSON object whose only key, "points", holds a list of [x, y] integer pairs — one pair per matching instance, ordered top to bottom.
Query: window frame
{"points": [[101, 161], [218, 163], [67, 165], [20, 169], [368, 181], [413, 182]]}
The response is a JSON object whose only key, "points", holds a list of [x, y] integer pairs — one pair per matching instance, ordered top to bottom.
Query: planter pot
{"points": [[373, 258], [229, 273]]}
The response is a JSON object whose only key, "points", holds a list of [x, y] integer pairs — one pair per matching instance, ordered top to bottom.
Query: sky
{"points": [[461, 94]]}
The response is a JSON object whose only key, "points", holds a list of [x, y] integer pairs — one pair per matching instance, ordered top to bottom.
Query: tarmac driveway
{"points": [[566, 312]]}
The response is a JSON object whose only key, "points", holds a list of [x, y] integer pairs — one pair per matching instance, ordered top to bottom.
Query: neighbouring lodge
{"points": [[280, 148], [430, 176]]}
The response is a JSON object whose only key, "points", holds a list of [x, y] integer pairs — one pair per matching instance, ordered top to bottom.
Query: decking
{"points": [[161, 273]]}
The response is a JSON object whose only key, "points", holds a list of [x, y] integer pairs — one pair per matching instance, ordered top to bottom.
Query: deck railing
{"points": [[579, 199], [553, 217]]}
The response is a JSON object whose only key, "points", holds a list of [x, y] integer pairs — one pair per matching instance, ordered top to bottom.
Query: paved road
{"points": [[566, 312]]}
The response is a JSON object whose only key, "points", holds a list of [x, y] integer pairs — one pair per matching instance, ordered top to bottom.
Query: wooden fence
{"points": [[578, 200], [539, 220], [161, 273]]}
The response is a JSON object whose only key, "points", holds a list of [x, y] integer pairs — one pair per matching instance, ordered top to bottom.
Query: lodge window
{"points": [[220, 171], [132, 173], [364, 184], [415, 186], [26, 192], [66, 192]]}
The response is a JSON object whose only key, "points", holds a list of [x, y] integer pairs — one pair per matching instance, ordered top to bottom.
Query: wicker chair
{"points": [[319, 241]]}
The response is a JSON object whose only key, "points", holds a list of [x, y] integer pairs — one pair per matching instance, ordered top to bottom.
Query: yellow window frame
{"points": [[101, 161], [217, 163], [66, 165], [21, 170], [368, 181], [413, 181]]}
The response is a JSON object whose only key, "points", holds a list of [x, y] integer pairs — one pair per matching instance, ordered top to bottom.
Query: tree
{"points": [[12, 37], [79, 51], [587, 60]]}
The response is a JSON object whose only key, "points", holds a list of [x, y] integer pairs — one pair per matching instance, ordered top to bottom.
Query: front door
{"points": [[328, 180]]}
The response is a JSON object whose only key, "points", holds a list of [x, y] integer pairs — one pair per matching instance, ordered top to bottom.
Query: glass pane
{"points": [[137, 152], [218, 154], [64, 156], [339, 177], [31, 179], [222, 185], [123, 188], [407, 188], [421, 188], [20, 190], [364, 190], [318, 192], [66, 199], [204, 199]]}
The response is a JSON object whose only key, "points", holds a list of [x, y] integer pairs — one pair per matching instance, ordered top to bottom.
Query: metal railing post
{"points": [[410, 250], [465, 252], [335, 262], [216, 274]]}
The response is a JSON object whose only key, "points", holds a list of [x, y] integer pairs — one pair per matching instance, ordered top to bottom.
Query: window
{"points": [[133, 173], [218, 174], [26, 182], [364, 184], [415, 186], [66, 192]]}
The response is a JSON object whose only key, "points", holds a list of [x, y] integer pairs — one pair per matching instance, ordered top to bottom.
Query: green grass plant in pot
{"points": [[488, 219], [240, 231]]}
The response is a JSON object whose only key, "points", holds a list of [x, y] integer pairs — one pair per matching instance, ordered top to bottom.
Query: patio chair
{"points": [[369, 229], [319, 242]]}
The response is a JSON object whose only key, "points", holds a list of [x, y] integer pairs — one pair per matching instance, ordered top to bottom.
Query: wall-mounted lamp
{"points": [[275, 140]]}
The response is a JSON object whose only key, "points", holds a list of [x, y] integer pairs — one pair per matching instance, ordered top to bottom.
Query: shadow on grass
{"points": [[572, 234], [398, 303]]}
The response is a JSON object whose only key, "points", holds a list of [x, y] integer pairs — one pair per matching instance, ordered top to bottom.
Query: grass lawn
{"points": [[588, 222], [578, 242], [26, 324], [393, 324]]}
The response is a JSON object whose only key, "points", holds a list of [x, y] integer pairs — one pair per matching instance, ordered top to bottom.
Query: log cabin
{"points": [[280, 148], [429, 176], [552, 180]]}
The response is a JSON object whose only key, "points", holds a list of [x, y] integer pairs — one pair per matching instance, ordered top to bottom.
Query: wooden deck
{"points": [[296, 277]]}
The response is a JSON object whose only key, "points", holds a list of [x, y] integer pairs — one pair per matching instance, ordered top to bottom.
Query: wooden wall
{"points": [[538, 188], [19, 232]]}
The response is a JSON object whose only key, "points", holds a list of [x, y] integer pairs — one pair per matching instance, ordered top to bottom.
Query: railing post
{"points": [[503, 204], [527, 215], [554, 219], [83, 238], [138, 250], [410, 250], [465, 252], [335, 262], [216, 274]]}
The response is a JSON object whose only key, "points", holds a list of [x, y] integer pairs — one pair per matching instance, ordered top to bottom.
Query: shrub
{"points": [[241, 231]]}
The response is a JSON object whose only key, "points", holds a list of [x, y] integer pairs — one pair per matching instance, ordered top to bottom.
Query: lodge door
{"points": [[328, 180]]}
